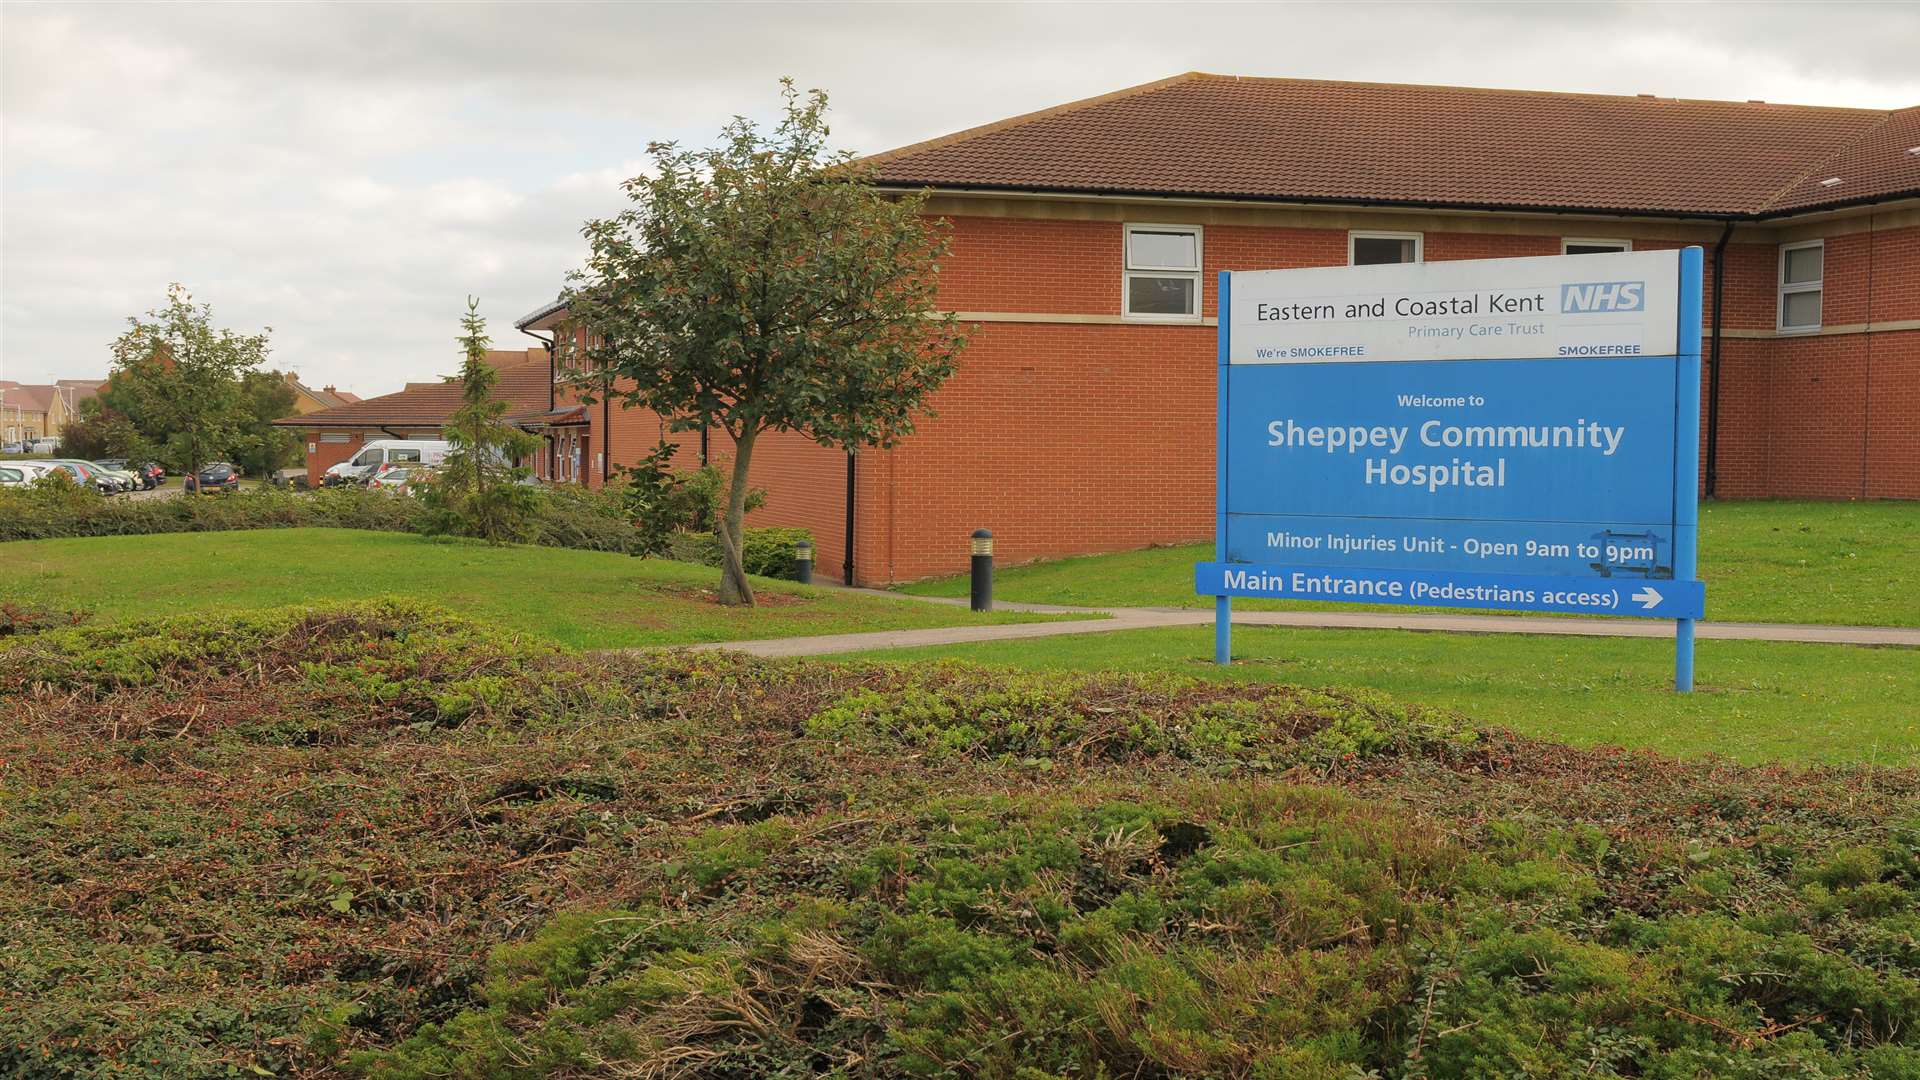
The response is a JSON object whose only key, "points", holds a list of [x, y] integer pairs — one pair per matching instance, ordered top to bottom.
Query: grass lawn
{"points": [[1803, 562], [585, 599], [1754, 701]]}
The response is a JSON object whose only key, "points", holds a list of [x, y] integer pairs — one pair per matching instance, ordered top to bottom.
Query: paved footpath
{"points": [[1116, 619]]}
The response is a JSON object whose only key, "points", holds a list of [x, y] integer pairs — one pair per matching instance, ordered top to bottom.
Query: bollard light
{"points": [[803, 562], [982, 570]]}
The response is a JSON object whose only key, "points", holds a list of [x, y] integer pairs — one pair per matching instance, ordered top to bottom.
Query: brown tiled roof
{"points": [[1303, 140], [1884, 161], [524, 387], [81, 389], [34, 399], [327, 400], [564, 416]]}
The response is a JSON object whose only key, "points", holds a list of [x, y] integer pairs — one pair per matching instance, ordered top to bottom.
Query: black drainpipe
{"points": [[547, 344], [1713, 362], [546, 437], [703, 446], [846, 568]]}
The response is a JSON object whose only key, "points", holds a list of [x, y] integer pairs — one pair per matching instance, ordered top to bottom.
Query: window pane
{"points": [[1163, 249], [1594, 249], [1374, 250], [1803, 264], [1160, 296], [1800, 308], [404, 455]]}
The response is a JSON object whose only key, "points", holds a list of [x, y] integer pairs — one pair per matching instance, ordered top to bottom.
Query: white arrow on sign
{"points": [[1648, 596]]}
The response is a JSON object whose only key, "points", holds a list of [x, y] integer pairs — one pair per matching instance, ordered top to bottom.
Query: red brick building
{"points": [[1087, 239], [332, 435]]}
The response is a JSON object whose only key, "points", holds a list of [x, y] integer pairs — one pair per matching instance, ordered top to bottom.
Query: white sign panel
{"points": [[1554, 306]]}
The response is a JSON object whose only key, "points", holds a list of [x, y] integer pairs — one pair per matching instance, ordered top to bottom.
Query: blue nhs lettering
{"points": [[1603, 296]]}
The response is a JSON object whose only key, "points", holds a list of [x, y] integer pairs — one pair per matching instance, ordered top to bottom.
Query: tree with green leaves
{"points": [[767, 285], [178, 381], [99, 432], [260, 448], [479, 491]]}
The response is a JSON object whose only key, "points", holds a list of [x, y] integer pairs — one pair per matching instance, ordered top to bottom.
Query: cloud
{"points": [[350, 173]]}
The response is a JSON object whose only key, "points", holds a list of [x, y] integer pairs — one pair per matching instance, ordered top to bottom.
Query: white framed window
{"points": [[1581, 245], [1376, 248], [1802, 275], [1161, 282]]}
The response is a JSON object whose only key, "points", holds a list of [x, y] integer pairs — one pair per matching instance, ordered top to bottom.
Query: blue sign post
{"points": [[1510, 434]]}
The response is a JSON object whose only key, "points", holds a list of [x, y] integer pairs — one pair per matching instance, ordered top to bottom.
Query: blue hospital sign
{"points": [[1516, 434]]}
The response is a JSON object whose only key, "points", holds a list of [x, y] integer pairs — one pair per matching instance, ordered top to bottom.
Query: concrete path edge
{"points": [[1118, 619]]}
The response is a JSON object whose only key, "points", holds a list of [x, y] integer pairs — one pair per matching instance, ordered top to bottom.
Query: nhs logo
{"points": [[1596, 296]]}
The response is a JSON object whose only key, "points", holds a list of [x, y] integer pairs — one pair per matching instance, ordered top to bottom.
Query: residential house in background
{"points": [[1088, 240], [308, 400], [31, 411], [334, 433]]}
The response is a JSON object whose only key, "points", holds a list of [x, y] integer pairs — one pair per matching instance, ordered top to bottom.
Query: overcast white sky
{"points": [[348, 173]]}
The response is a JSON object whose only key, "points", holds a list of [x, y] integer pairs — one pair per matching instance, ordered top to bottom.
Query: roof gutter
{"points": [[1324, 201], [1400, 204]]}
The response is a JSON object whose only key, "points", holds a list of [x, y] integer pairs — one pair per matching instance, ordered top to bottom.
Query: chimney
{"points": [[328, 389]]}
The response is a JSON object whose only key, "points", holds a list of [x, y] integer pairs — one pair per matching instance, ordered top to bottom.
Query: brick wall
{"points": [[1826, 415], [1061, 439], [327, 454], [805, 483]]}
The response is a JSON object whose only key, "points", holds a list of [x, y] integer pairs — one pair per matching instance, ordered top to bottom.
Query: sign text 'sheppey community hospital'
{"points": [[1515, 434]]}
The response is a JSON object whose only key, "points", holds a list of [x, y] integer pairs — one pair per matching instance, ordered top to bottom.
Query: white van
{"points": [[356, 469]]}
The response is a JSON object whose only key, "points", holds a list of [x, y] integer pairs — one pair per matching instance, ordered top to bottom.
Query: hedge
{"points": [[569, 517], [767, 552]]}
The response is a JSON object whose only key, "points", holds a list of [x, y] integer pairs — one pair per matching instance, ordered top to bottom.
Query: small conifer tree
{"points": [[481, 491]]}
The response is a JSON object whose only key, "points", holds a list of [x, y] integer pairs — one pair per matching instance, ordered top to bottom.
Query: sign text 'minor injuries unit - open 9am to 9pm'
{"points": [[1503, 433]]}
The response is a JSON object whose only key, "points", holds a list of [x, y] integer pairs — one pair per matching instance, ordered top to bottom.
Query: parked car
{"points": [[42, 446], [13, 448], [360, 468], [80, 472], [18, 473], [219, 476], [125, 477], [290, 478], [401, 478], [142, 479], [105, 481]]}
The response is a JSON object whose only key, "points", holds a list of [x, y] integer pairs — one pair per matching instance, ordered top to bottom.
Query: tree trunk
{"points": [[731, 528]]}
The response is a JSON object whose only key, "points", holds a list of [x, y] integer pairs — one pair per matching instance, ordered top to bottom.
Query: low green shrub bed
{"points": [[566, 516], [767, 552], [381, 841]]}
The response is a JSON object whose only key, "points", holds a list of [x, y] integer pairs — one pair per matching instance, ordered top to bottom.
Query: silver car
{"points": [[19, 473]]}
